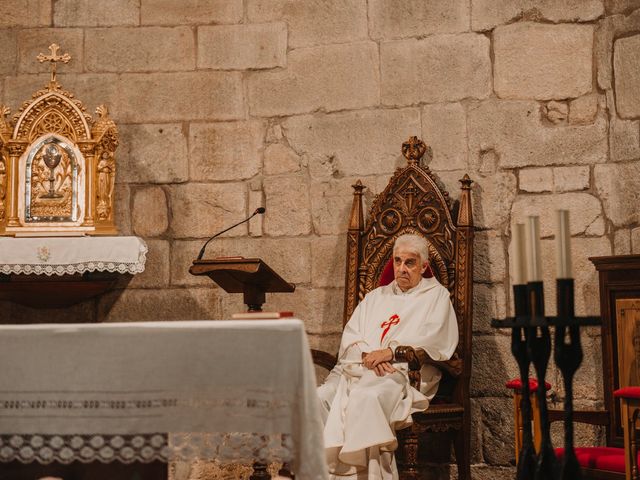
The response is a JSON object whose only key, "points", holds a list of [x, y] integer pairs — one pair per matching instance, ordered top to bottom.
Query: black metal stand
{"points": [[531, 343]]}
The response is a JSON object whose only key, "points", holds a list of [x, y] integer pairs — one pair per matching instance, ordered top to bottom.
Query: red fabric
{"points": [[387, 275], [516, 384], [627, 392], [601, 458]]}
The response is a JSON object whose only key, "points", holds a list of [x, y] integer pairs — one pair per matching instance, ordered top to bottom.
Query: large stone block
{"points": [[621, 6], [170, 12], [18, 13], [87, 13], [486, 14], [391, 19], [314, 22], [609, 30], [32, 42], [242, 47], [141, 49], [9, 52], [543, 61], [626, 66], [409, 76], [332, 77], [167, 97], [583, 110], [444, 129], [518, 137], [624, 139], [352, 143], [225, 151], [152, 154], [280, 159], [536, 179], [566, 179], [619, 188], [492, 197], [287, 204], [330, 206], [122, 208], [200, 210], [585, 211], [150, 213], [635, 240], [622, 242], [289, 257], [489, 262], [328, 265], [156, 270], [587, 297], [489, 302], [138, 305], [320, 309], [13, 313], [493, 365], [497, 430]]}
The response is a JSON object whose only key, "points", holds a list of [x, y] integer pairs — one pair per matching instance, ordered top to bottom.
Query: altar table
{"points": [[234, 391]]}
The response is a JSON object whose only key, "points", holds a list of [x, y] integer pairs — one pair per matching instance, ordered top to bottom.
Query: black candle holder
{"points": [[531, 343]]}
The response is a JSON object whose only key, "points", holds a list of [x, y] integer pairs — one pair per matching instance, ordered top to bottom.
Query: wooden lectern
{"points": [[250, 276]]}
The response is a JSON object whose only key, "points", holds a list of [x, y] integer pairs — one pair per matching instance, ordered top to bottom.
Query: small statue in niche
{"points": [[106, 177]]}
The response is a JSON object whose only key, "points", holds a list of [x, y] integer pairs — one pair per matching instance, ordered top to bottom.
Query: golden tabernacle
{"points": [[57, 164]]}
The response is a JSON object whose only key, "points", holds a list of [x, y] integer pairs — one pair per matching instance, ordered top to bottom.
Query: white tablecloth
{"points": [[69, 255], [239, 390]]}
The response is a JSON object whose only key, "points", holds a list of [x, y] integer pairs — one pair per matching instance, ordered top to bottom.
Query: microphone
{"points": [[259, 210]]}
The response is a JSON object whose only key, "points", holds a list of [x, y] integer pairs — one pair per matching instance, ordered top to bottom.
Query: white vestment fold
{"points": [[361, 411]]}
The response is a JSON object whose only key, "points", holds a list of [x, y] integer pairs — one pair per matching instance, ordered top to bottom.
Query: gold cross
{"points": [[54, 58]]}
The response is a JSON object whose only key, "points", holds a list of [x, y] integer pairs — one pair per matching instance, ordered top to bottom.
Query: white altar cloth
{"points": [[70, 255], [243, 390]]}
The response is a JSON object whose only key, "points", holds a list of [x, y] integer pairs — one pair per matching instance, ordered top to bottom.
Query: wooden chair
{"points": [[413, 202]]}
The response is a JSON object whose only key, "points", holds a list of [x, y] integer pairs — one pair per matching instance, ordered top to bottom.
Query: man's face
{"points": [[407, 268]]}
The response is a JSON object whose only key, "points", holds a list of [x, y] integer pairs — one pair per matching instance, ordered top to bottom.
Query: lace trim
{"points": [[73, 268], [224, 447], [84, 448]]}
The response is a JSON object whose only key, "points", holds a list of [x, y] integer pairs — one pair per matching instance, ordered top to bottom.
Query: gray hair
{"points": [[414, 243]]}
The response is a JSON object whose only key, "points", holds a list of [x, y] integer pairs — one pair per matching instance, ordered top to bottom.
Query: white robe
{"points": [[361, 411]]}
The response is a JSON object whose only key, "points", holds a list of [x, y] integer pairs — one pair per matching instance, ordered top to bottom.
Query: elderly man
{"points": [[366, 397]]}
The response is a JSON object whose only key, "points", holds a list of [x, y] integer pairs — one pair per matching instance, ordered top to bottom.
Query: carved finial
{"points": [[54, 58], [102, 111], [413, 150], [466, 182], [358, 187]]}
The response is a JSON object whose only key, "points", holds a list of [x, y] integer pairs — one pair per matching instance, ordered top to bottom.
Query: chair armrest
{"points": [[417, 357], [323, 359], [590, 417]]}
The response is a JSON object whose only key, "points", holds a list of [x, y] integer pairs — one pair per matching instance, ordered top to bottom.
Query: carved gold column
{"points": [[87, 149], [15, 150]]}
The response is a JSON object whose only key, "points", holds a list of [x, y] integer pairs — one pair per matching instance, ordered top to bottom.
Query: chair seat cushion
{"points": [[387, 275], [516, 384], [627, 392], [599, 458]]}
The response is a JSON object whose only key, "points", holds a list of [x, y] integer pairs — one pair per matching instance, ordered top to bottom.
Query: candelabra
{"points": [[531, 344]]}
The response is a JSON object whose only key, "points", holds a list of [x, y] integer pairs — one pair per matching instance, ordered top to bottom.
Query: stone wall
{"points": [[226, 105]]}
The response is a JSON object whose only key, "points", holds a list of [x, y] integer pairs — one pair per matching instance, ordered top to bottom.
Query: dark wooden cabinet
{"points": [[620, 310]]}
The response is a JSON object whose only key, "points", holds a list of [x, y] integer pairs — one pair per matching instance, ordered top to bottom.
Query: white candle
{"points": [[563, 244], [519, 256], [534, 265]]}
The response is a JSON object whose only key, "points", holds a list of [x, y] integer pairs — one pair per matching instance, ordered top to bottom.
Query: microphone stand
{"points": [[259, 210]]}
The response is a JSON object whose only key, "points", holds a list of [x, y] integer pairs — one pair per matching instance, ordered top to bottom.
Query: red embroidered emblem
{"points": [[393, 320]]}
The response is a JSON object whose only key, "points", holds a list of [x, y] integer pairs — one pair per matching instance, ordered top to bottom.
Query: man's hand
{"points": [[377, 357], [384, 368]]}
